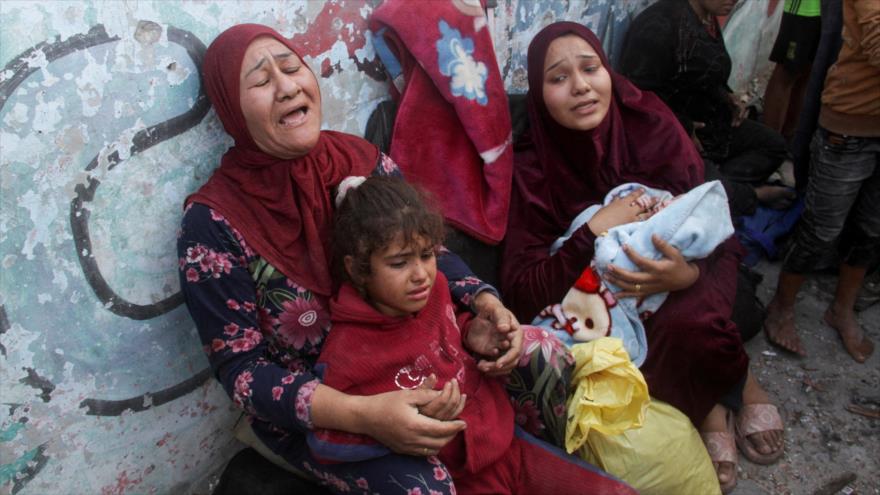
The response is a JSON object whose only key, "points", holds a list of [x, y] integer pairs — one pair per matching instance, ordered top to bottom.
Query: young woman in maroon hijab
{"points": [[591, 130], [254, 269]]}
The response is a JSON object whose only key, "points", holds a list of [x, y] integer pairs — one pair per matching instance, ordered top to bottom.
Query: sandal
{"points": [[755, 418], [721, 446]]}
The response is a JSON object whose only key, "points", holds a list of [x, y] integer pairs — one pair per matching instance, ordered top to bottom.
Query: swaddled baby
{"points": [[695, 223]]}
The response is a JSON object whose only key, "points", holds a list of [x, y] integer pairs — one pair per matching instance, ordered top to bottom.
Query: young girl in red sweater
{"points": [[395, 327]]}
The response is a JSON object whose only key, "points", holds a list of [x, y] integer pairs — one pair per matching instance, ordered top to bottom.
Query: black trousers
{"points": [[755, 152]]}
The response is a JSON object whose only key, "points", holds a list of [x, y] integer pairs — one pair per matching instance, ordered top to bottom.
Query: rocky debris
{"points": [[830, 403]]}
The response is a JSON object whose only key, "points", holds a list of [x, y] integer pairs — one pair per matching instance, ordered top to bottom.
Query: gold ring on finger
{"points": [[638, 287]]}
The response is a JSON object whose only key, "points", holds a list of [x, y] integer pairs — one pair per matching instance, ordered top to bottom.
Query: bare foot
{"points": [[776, 197], [780, 329], [857, 344], [768, 441]]}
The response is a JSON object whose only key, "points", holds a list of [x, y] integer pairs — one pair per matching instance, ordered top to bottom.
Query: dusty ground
{"points": [[829, 449]]}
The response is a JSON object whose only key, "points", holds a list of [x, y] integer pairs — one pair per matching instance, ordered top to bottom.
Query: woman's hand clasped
{"points": [[670, 273], [494, 333], [394, 419]]}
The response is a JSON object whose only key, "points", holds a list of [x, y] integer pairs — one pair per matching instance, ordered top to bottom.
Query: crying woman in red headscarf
{"points": [[590, 130], [254, 252]]}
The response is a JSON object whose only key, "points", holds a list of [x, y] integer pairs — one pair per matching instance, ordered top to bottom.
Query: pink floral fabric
{"points": [[539, 385]]}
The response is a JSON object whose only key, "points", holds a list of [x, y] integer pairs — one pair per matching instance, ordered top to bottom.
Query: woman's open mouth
{"points": [[294, 118]]}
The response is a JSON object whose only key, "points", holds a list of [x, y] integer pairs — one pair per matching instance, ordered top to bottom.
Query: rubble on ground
{"points": [[829, 402]]}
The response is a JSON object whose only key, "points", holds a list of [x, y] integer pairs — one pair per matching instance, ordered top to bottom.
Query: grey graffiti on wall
{"points": [[20, 69], [79, 211]]}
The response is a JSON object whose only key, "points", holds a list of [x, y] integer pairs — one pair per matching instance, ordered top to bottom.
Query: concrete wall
{"points": [[104, 129]]}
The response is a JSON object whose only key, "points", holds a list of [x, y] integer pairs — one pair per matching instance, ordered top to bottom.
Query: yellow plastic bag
{"points": [[610, 394], [613, 423], [665, 455]]}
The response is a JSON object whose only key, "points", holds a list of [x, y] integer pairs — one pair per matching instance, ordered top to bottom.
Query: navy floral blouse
{"points": [[261, 330]]}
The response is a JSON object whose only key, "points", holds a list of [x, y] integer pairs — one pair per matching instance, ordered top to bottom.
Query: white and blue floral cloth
{"points": [[455, 58]]}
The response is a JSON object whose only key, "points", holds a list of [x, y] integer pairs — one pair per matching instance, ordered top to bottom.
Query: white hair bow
{"points": [[348, 183]]}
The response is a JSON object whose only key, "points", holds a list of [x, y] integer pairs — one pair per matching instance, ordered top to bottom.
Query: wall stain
{"points": [[147, 32], [4, 326], [33, 379], [29, 465]]}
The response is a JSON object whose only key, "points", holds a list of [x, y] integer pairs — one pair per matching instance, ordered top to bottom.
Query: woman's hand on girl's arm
{"points": [[670, 273], [494, 333], [502, 349], [392, 418]]}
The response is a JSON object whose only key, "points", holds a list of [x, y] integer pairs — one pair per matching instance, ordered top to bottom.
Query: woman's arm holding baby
{"points": [[670, 273]]}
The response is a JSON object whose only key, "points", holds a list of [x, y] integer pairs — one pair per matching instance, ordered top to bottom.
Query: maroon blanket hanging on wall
{"points": [[452, 133]]}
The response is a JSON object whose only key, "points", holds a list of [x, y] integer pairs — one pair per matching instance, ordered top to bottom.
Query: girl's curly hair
{"points": [[370, 217]]}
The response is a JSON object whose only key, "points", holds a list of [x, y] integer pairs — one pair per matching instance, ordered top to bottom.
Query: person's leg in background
{"points": [[793, 51], [826, 54], [777, 97], [783, 99], [756, 151], [844, 173], [741, 197], [859, 253], [748, 311]]}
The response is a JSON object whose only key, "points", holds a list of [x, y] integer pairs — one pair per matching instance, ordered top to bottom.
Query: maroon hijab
{"points": [[640, 140], [282, 207]]}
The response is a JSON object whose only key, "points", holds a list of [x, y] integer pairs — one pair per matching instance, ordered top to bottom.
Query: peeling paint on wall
{"points": [[518, 21], [104, 130]]}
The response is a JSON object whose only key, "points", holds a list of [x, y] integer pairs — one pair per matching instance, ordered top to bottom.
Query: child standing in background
{"points": [[793, 52], [395, 327]]}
